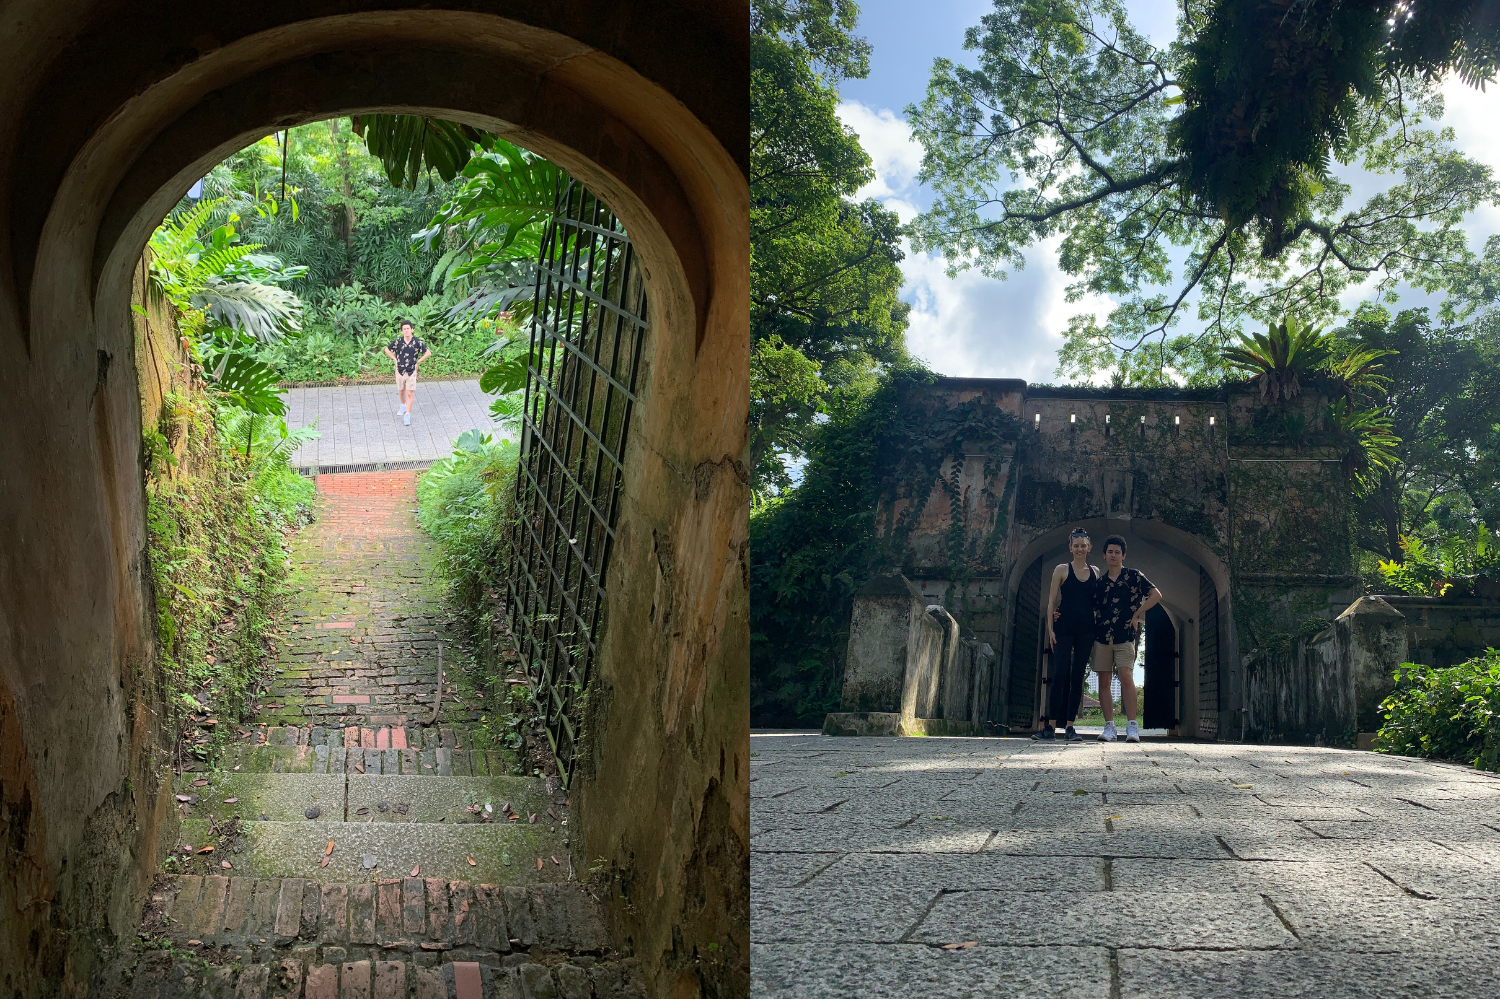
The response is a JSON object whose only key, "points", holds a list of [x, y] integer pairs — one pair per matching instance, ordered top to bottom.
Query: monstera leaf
{"points": [[408, 144]]}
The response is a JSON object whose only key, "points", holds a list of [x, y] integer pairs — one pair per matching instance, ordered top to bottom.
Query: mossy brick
{"points": [[282, 758], [261, 759], [337, 759], [444, 759], [390, 762], [411, 762], [429, 762], [463, 763], [185, 906], [263, 906], [461, 906], [237, 908], [288, 911], [312, 911], [362, 913], [209, 919], [333, 923], [388, 924], [490, 929], [354, 980], [254, 981]]}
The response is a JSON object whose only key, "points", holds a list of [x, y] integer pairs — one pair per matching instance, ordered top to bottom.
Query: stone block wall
{"points": [[1442, 631], [1329, 686]]}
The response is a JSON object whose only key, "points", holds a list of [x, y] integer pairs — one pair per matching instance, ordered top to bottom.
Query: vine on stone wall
{"points": [[814, 547]]}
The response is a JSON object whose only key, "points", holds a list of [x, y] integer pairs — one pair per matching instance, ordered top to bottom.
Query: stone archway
{"points": [[109, 114], [1196, 595]]}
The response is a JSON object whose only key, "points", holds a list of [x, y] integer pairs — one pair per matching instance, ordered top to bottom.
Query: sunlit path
{"points": [[359, 428], [999, 867]]}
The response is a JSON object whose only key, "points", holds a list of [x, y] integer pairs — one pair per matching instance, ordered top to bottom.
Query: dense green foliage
{"points": [[1275, 89], [1068, 126], [350, 232], [824, 311], [1440, 389], [463, 500], [217, 518], [815, 546], [1451, 566], [1451, 713]]}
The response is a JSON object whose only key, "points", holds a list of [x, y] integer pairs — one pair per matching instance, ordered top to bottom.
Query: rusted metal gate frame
{"points": [[588, 329]]}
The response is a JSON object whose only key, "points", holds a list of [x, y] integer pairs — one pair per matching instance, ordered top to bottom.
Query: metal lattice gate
{"points": [[587, 333]]}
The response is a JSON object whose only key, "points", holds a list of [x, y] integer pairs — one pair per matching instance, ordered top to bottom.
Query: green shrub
{"points": [[463, 501], [217, 521], [1436, 568], [1451, 713]]}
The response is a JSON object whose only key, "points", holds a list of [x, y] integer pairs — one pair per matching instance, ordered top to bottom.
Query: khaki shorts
{"points": [[404, 382], [1114, 657]]}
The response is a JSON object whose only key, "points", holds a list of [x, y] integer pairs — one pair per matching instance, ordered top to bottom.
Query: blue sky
{"points": [[973, 325]]}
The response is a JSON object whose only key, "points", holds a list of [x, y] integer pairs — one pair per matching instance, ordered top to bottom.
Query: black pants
{"points": [[1070, 664]]}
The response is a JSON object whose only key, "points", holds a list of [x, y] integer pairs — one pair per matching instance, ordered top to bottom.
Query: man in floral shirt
{"points": [[408, 352], [1121, 601]]}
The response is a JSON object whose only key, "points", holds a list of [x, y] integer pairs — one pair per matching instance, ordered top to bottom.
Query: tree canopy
{"points": [[1162, 196], [824, 310]]}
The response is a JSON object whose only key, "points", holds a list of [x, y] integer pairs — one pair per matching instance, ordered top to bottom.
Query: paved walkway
{"points": [[360, 428], [1000, 867]]}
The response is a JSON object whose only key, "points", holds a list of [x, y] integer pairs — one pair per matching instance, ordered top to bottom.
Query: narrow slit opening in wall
{"points": [[1176, 425], [1143, 428], [1108, 430]]}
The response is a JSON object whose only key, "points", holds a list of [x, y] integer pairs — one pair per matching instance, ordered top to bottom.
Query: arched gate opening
{"points": [[110, 114], [1184, 638]]}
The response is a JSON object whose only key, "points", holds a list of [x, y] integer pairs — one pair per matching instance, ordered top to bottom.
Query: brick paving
{"points": [[359, 426], [359, 644], [345, 845], [1002, 867]]}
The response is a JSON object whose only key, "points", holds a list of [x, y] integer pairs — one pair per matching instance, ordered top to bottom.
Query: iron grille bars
{"points": [[588, 329]]}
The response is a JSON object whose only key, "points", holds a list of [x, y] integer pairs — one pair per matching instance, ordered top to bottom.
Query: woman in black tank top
{"points": [[1070, 635]]}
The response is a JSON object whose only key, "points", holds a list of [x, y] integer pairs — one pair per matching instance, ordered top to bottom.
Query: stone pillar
{"points": [[888, 611], [1374, 641], [932, 643]]}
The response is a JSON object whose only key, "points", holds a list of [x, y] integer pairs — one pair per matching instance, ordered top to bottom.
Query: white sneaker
{"points": [[400, 409], [406, 420], [1132, 732], [1110, 734]]}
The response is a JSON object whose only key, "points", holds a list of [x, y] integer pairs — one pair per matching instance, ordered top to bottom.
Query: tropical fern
{"points": [[1277, 359], [1372, 442]]}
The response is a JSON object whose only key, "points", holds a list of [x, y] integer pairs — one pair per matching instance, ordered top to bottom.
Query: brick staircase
{"points": [[360, 862]]}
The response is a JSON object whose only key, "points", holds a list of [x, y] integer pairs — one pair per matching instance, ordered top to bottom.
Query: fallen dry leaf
{"points": [[199, 783], [1244, 786], [183, 798], [230, 801], [362, 811], [551, 813], [531, 817], [187, 848], [206, 850], [329, 850], [471, 860], [555, 861], [323, 863], [225, 864], [538, 864], [415, 868], [195, 942], [960, 945]]}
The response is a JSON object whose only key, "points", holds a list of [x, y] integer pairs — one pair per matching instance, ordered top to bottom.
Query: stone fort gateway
{"points": [[1235, 508]]}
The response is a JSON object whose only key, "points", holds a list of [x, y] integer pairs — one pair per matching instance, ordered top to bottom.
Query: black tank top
{"points": [[1077, 601]]}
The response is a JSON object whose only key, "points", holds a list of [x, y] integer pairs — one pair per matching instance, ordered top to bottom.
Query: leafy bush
{"points": [[347, 328], [462, 501], [217, 520], [1441, 567], [1450, 713]]}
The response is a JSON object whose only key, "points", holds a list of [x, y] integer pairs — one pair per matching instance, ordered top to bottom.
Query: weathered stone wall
{"points": [[108, 113], [1196, 474], [886, 610], [1442, 631], [932, 640], [1329, 686]]}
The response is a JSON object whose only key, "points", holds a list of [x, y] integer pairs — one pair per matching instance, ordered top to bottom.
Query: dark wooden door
{"points": [[1025, 650], [1208, 657], [1160, 708]]}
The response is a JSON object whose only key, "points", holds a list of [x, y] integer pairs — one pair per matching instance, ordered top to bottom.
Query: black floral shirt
{"points": [[407, 354], [1115, 601]]}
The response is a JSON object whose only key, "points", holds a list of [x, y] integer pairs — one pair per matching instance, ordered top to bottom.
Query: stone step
{"points": [[325, 759], [424, 798], [503, 853], [426, 914], [413, 937], [165, 974]]}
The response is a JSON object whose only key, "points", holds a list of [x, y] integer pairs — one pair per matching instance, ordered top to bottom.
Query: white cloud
{"points": [[896, 156]]}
